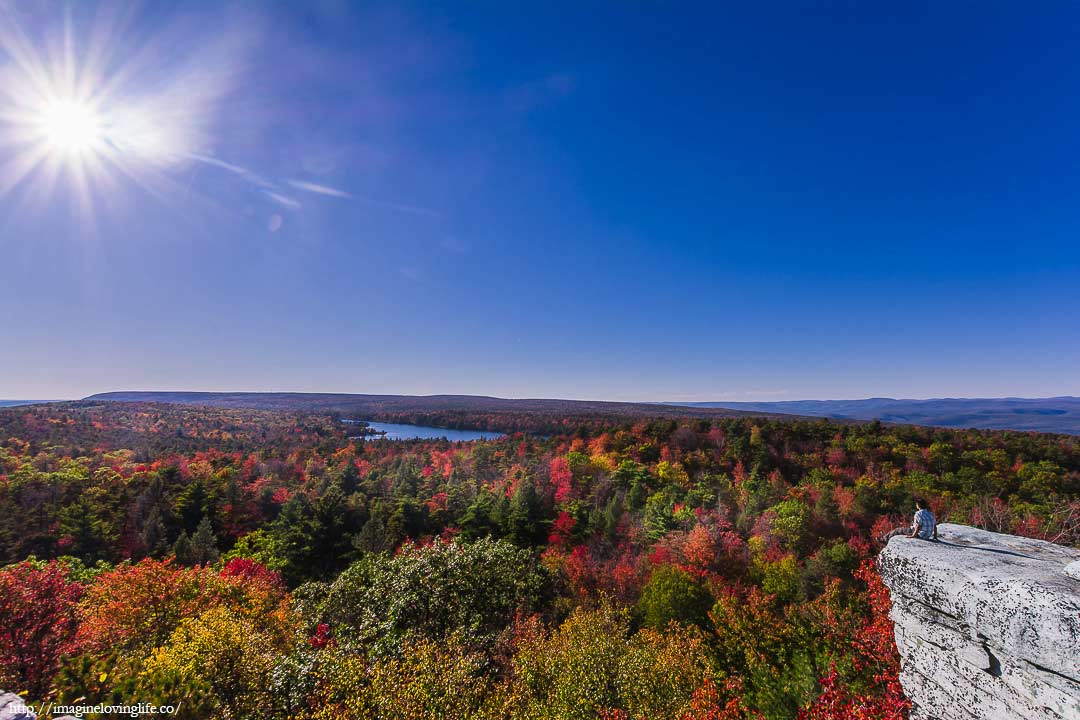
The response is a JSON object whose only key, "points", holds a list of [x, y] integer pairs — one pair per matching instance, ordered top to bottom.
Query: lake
{"points": [[396, 431]]}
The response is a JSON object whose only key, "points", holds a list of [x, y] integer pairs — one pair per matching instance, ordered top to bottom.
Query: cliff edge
{"points": [[987, 625]]}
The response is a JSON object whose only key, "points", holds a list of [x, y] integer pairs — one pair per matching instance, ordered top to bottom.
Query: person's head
{"points": [[921, 504]]}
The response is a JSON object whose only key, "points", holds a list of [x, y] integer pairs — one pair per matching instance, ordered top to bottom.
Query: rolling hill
{"points": [[449, 411], [1054, 415]]}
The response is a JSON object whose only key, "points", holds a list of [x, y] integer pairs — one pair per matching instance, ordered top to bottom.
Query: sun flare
{"points": [[86, 113], [90, 114], [71, 127]]}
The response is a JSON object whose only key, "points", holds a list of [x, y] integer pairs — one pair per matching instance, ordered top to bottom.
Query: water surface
{"points": [[395, 431]]}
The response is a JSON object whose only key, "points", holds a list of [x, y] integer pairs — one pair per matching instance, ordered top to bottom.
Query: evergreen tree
{"points": [[350, 478], [637, 495], [192, 505], [613, 512], [151, 516], [523, 520], [407, 521], [477, 522], [82, 524], [332, 531], [293, 532], [153, 535], [372, 537], [183, 550], [204, 550]]}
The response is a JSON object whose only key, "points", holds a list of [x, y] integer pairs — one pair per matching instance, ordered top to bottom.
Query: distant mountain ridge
{"points": [[474, 412], [1053, 415]]}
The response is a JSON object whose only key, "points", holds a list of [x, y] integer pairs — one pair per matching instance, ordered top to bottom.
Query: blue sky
{"points": [[764, 201]]}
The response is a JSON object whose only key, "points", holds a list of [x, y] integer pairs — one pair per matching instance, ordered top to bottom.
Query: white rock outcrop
{"points": [[987, 625], [13, 707]]}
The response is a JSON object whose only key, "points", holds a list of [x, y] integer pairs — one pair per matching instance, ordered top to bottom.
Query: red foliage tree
{"points": [[562, 479], [561, 530], [582, 571], [253, 573], [141, 604], [37, 623], [873, 651], [838, 702], [710, 703]]}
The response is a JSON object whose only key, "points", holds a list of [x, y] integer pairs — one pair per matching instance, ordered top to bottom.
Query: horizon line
{"points": [[579, 399]]}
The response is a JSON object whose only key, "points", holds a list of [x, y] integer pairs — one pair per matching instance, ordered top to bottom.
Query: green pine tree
{"points": [[182, 549], [204, 550]]}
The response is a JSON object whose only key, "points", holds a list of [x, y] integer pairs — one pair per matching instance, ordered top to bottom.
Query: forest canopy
{"points": [[262, 564]]}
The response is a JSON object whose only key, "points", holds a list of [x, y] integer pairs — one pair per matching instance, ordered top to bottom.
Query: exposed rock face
{"points": [[988, 625], [13, 707]]}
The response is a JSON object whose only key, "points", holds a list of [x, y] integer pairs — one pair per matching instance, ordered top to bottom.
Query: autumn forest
{"points": [[260, 564]]}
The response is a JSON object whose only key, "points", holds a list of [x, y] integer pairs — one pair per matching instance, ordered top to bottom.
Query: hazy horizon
{"points": [[770, 399]]}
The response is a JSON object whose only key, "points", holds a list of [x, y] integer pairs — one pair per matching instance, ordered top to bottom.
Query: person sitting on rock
{"points": [[923, 525]]}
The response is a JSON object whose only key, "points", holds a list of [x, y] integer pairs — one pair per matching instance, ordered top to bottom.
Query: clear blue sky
{"points": [[656, 201]]}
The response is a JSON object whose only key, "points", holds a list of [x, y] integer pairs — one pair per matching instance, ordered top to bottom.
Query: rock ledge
{"points": [[987, 625], [13, 707]]}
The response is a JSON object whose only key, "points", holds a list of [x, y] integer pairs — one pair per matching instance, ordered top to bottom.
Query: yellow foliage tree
{"points": [[226, 654]]}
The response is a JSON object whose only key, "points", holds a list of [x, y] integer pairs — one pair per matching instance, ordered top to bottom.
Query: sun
{"points": [[98, 113], [86, 115], [71, 127]]}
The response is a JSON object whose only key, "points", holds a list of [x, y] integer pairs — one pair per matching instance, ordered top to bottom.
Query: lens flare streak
{"points": [[93, 113], [74, 117]]}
